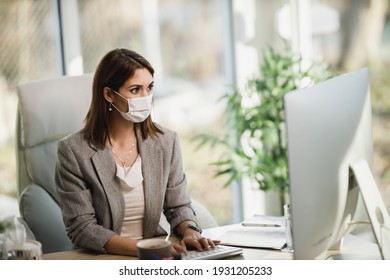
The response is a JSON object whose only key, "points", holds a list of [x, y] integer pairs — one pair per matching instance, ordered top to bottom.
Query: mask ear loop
{"points": [[118, 94], [112, 103]]}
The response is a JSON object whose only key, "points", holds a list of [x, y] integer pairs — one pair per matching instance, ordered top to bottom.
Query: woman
{"points": [[116, 175]]}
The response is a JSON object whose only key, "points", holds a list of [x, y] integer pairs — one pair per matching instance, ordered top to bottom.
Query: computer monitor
{"points": [[330, 162]]}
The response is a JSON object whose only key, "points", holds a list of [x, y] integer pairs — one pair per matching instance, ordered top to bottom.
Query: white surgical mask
{"points": [[139, 108]]}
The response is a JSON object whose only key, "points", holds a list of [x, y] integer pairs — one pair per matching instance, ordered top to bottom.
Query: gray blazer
{"points": [[90, 195]]}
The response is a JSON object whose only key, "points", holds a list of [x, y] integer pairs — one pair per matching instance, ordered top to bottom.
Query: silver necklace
{"points": [[123, 161]]}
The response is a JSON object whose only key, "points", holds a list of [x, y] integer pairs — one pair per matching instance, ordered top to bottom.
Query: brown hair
{"points": [[115, 68]]}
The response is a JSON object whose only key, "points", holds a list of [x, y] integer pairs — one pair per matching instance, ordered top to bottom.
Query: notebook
{"points": [[258, 232]]}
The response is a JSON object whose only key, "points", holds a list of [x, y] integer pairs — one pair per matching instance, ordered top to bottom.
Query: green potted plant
{"points": [[255, 141]]}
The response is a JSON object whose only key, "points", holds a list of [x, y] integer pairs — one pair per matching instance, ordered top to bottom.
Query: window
{"points": [[27, 52]]}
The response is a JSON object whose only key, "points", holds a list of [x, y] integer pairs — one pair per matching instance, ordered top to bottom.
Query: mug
{"points": [[154, 249]]}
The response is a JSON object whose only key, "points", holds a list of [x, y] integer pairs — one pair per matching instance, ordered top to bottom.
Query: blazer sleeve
{"points": [[76, 202], [177, 204]]}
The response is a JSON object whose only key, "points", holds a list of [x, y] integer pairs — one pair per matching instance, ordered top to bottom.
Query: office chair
{"points": [[48, 110], [203, 216]]}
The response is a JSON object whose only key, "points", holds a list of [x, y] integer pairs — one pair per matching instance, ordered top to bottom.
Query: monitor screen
{"points": [[328, 129]]}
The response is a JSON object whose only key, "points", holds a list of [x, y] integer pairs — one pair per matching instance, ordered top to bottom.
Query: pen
{"points": [[259, 225]]}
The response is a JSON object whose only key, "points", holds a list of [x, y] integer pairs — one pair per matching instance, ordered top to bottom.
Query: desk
{"points": [[353, 248]]}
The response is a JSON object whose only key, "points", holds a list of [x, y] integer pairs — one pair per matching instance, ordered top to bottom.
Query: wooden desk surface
{"points": [[353, 248]]}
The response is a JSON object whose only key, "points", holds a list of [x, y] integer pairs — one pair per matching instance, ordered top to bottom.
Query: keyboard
{"points": [[219, 252]]}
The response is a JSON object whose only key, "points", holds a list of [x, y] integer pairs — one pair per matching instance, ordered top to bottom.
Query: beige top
{"points": [[131, 181]]}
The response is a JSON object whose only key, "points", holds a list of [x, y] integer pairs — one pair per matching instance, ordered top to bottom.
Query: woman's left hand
{"points": [[176, 249]]}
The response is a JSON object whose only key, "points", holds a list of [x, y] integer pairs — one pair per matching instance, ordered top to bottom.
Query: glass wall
{"points": [[27, 52]]}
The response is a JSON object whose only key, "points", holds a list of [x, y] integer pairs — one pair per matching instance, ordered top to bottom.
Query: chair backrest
{"points": [[47, 111], [203, 216]]}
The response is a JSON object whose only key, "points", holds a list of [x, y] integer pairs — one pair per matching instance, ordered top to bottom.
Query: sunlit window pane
{"points": [[27, 52]]}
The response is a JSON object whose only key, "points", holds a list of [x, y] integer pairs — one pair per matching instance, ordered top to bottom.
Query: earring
{"points": [[110, 107]]}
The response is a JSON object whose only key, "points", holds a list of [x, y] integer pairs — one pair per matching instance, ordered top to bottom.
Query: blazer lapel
{"points": [[105, 166], [152, 171]]}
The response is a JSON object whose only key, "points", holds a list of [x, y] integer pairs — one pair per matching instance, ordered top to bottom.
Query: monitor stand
{"points": [[374, 204]]}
